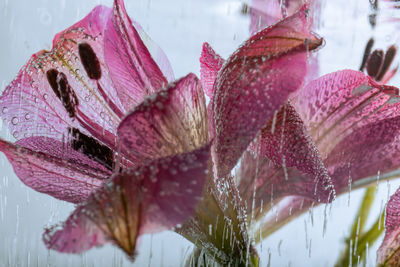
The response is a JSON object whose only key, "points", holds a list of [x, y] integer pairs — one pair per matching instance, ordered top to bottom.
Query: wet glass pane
{"points": [[280, 149]]}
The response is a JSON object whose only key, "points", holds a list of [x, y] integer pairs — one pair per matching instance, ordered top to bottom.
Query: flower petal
{"points": [[156, 52], [210, 64], [134, 72], [255, 81], [67, 87], [170, 122], [355, 125], [284, 162], [51, 167], [149, 198], [388, 252]]}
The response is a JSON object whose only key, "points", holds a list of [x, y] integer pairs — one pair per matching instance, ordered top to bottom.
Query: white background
{"points": [[179, 27]]}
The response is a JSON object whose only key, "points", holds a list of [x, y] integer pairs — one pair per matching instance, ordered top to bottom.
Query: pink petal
{"points": [[156, 52], [210, 64], [133, 71], [256, 80], [67, 87], [170, 122], [354, 123], [284, 162], [52, 167], [149, 198], [76, 235], [388, 252]]}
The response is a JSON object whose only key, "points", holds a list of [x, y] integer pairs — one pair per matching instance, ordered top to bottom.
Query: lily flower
{"points": [[67, 107], [151, 164]]}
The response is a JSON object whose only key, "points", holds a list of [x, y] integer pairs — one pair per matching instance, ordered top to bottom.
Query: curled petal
{"points": [[134, 72], [255, 81], [167, 123], [355, 125], [283, 162], [52, 167], [149, 198], [388, 253]]}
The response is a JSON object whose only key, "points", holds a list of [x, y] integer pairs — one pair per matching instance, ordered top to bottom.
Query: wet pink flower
{"points": [[99, 123], [128, 173]]}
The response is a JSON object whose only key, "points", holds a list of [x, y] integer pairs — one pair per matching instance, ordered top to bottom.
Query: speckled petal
{"points": [[255, 81], [170, 122]]}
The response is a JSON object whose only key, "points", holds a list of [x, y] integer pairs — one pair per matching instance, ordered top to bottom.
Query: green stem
{"points": [[357, 243]]}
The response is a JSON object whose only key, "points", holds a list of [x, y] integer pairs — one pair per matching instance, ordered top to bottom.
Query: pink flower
{"points": [[67, 107], [145, 171]]}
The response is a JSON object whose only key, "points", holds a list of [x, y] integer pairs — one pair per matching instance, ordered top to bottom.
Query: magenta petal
{"points": [[156, 52], [210, 64], [134, 72], [255, 81], [67, 87], [167, 123], [354, 123], [284, 162], [49, 166], [149, 198], [76, 235], [388, 253]]}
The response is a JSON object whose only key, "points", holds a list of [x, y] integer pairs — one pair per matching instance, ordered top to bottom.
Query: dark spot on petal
{"points": [[367, 52], [389, 56], [89, 61], [374, 63], [52, 79], [59, 83], [91, 148]]}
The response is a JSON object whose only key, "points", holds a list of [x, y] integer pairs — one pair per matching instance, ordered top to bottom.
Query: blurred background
{"points": [[180, 27]]}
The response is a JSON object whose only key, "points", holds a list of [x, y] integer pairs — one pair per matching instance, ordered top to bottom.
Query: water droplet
{"points": [[4, 110], [14, 120]]}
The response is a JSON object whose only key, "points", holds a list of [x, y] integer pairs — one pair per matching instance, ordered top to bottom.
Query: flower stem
{"points": [[358, 242]]}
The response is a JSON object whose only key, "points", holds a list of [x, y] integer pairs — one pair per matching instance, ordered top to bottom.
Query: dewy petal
{"points": [[210, 64], [134, 72], [255, 81], [65, 88], [170, 122], [355, 125], [283, 162], [52, 167], [149, 198], [388, 252]]}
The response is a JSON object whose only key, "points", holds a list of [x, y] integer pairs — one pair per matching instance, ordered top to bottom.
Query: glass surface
{"points": [[180, 27]]}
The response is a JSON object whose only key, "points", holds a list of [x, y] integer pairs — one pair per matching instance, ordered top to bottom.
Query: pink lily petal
{"points": [[156, 52], [210, 64], [134, 72], [255, 81], [66, 88], [167, 123], [354, 124], [284, 162], [52, 167], [149, 198], [78, 234], [388, 252]]}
